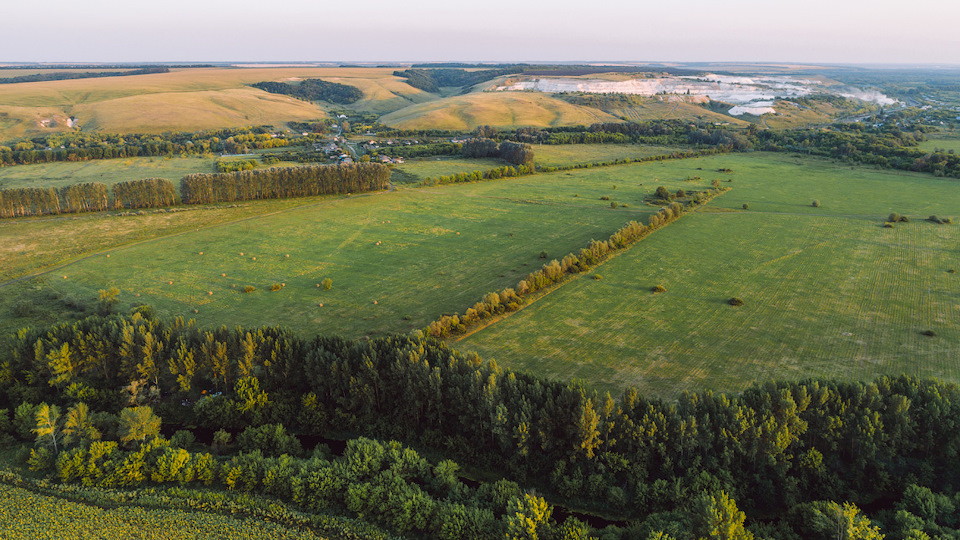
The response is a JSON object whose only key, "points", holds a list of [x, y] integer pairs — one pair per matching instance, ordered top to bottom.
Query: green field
{"points": [[942, 142], [558, 155], [416, 169], [106, 171], [439, 250], [828, 291], [25, 515]]}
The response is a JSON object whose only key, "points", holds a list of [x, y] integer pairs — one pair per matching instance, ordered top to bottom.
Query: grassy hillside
{"points": [[186, 99], [501, 109], [828, 291]]}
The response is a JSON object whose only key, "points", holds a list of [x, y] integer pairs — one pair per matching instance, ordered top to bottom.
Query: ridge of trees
{"points": [[66, 75], [431, 80], [314, 90], [511, 152], [283, 182], [596, 252]]}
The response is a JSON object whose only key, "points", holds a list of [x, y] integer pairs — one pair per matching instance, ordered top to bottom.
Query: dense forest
{"points": [[314, 90], [792, 459]]}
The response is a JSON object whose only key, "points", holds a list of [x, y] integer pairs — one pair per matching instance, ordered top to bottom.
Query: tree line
{"points": [[66, 75], [431, 80], [84, 146], [478, 176], [283, 182], [87, 197], [512, 298], [776, 448]]}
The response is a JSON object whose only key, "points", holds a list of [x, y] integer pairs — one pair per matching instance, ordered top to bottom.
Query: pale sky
{"points": [[828, 31]]}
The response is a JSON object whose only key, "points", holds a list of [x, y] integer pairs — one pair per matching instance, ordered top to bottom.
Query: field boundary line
{"points": [[557, 285]]}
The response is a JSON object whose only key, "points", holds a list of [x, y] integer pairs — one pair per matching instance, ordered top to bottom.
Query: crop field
{"points": [[501, 109], [557, 155], [105, 171], [397, 260], [828, 291], [25, 515]]}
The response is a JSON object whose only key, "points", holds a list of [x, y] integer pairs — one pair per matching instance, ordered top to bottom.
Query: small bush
{"points": [[662, 193], [681, 193], [604, 198], [815, 203], [613, 204], [746, 206], [893, 217], [904, 219], [937, 220], [887, 225], [543, 254], [597, 277], [327, 283], [276, 287], [249, 288], [658, 289], [735, 301], [928, 333], [182, 439]]}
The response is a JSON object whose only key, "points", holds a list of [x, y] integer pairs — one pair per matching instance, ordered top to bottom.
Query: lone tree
{"points": [[662, 193], [137, 424]]}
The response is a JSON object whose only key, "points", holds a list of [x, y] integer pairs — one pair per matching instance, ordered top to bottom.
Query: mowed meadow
{"points": [[397, 260], [827, 291]]}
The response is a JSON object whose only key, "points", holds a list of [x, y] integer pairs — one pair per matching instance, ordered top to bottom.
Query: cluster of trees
{"points": [[65, 75], [431, 80], [314, 90], [83, 146], [887, 147], [429, 149], [511, 152], [646, 159], [240, 164], [477, 176], [283, 182], [146, 193], [511, 298], [778, 449]]}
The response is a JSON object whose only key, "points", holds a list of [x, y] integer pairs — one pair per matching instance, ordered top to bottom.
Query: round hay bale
{"points": [[201, 253], [241, 254], [288, 255], [108, 256], [223, 275], [64, 277], [169, 283], [209, 293], [138, 295], [374, 301], [320, 304], [196, 311]]}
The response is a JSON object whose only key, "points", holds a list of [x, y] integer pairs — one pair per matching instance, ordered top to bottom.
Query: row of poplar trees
{"points": [[272, 183], [88, 197]]}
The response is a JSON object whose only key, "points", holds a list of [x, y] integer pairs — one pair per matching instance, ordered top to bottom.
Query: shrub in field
{"points": [[662, 193], [681, 193], [604, 198], [815, 203], [613, 204], [746, 206], [893, 217], [939, 220], [887, 225], [597, 277], [327, 283], [276, 287], [249, 288], [658, 289], [735, 301], [929, 333]]}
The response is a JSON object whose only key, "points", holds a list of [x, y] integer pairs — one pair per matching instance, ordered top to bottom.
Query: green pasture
{"points": [[942, 142], [558, 155], [416, 169], [105, 171], [398, 259], [828, 291], [25, 515]]}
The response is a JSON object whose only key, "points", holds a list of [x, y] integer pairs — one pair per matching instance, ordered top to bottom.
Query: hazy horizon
{"points": [[817, 32]]}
